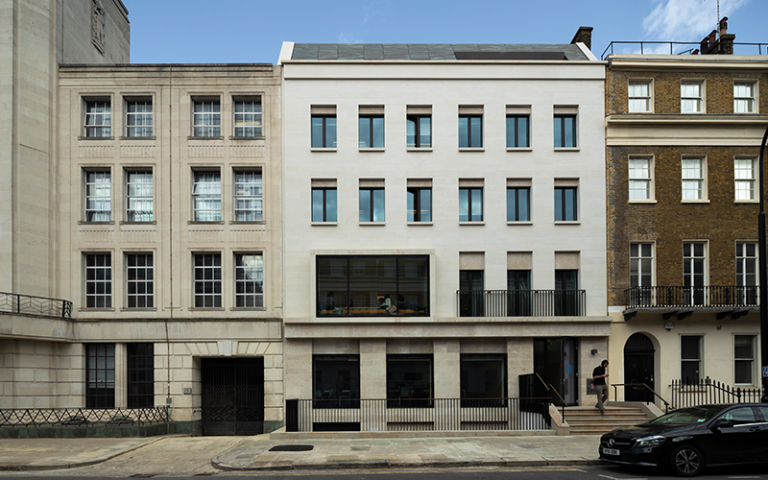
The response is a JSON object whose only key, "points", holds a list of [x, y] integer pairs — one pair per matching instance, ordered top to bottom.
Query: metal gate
{"points": [[233, 396]]}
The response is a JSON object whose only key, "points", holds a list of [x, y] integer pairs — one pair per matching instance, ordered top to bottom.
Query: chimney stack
{"points": [[723, 26], [583, 35]]}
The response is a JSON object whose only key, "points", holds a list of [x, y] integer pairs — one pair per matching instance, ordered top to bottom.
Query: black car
{"points": [[688, 439]]}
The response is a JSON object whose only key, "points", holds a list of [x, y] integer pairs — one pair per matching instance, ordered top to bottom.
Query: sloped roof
{"points": [[435, 51]]}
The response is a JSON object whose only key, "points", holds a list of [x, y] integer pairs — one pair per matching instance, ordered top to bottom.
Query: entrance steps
{"points": [[588, 421]]}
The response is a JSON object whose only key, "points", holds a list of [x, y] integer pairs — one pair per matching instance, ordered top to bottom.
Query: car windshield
{"points": [[687, 416]]}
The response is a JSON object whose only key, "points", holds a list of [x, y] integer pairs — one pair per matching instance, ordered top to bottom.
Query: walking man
{"points": [[598, 377]]}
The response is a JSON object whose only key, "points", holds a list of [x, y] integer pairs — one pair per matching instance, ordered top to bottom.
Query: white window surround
{"points": [[640, 95], [692, 96], [745, 96], [97, 117], [693, 175], [641, 179], [745, 182], [744, 356]]}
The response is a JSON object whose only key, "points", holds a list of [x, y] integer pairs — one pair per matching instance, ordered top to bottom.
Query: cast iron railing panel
{"points": [[691, 297], [521, 303], [30, 305], [690, 392], [80, 417]]}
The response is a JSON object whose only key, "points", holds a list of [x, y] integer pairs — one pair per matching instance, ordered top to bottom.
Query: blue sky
{"points": [[252, 31]]}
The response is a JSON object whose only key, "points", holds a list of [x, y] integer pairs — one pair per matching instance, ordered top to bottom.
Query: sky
{"points": [[252, 31]]}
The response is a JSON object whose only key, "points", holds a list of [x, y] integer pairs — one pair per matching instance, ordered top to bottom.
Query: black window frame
{"points": [[324, 118], [469, 118], [562, 118], [416, 119], [371, 130], [516, 141], [563, 203], [325, 204], [372, 205], [469, 206], [417, 207], [516, 214], [140, 358], [99, 393], [396, 396], [336, 397], [468, 400]]}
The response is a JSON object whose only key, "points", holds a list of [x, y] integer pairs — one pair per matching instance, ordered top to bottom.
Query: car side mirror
{"points": [[722, 423]]}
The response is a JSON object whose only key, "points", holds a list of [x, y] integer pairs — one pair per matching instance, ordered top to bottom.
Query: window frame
{"points": [[648, 99], [699, 101], [751, 101], [248, 117], [573, 117], [416, 118], [105, 128], [147, 129], [206, 130], [371, 131], [324, 140], [469, 143], [515, 144], [702, 179], [649, 181], [751, 181], [201, 196], [149, 199], [258, 199], [469, 201], [564, 203], [372, 204], [89, 213], [325, 216], [416, 216], [516, 217], [638, 259], [148, 280], [106, 281], [690, 291], [747, 293], [199, 300], [250, 300], [699, 360], [751, 360], [140, 361], [95, 397], [333, 397], [395, 398], [484, 400]]}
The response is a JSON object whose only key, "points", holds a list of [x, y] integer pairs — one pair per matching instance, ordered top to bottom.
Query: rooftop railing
{"points": [[677, 48], [30, 305]]}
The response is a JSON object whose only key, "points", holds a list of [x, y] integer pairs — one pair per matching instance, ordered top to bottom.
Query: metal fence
{"points": [[679, 48], [684, 297], [521, 303], [30, 305], [689, 392], [409, 415], [79, 417]]}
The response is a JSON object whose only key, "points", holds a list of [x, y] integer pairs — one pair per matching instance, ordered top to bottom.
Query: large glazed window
{"points": [[370, 285], [100, 375], [141, 375], [483, 376], [336, 377], [410, 381]]}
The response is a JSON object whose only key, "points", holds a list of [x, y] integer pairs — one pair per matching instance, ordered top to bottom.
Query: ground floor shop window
{"points": [[100, 375], [141, 375], [483, 379], [336, 381], [410, 381]]}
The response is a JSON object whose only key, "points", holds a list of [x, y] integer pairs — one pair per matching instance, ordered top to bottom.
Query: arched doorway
{"points": [[638, 368]]}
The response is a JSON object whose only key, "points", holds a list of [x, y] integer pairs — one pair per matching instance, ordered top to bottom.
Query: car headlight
{"points": [[653, 441]]}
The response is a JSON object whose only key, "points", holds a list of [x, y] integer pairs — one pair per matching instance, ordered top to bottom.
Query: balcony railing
{"points": [[678, 48], [691, 297], [521, 303], [29, 305]]}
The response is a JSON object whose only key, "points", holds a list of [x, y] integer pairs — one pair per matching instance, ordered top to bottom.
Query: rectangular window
{"points": [[639, 96], [691, 97], [744, 97], [98, 118], [138, 118], [206, 118], [247, 119], [323, 131], [419, 131], [470, 131], [518, 131], [565, 131], [371, 134], [744, 172], [640, 179], [693, 179], [206, 195], [98, 196], [248, 196], [139, 198], [419, 204], [470, 204], [518, 204], [565, 204], [323, 205], [371, 205], [641, 264], [694, 272], [746, 273], [98, 280], [140, 280], [207, 280], [249, 280], [373, 285], [519, 293], [471, 294], [567, 298], [690, 358], [744, 358], [100, 375], [141, 375], [483, 379], [336, 380], [410, 381]]}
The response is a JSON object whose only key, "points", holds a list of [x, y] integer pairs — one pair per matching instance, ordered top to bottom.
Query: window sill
{"points": [[639, 112], [95, 138], [138, 138], [204, 138], [247, 138], [317, 149], [418, 149], [471, 149], [519, 149], [567, 149], [377, 150], [695, 201], [641, 202], [749, 202], [83, 222], [126, 222], [195, 222], [255, 222], [567, 222], [471, 223], [520, 223], [324, 224], [372, 224], [420, 224], [204, 309], [248, 309], [95, 310], [138, 310]]}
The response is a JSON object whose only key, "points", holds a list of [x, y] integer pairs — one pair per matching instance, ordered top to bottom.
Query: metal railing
{"points": [[682, 48], [691, 297], [521, 303], [30, 305], [637, 385], [690, 392], [408, 415], [80, 417]]}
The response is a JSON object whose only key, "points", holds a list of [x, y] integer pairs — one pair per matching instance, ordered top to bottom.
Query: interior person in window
{"points": [[330, 302], [386, 304], [598, 377]]}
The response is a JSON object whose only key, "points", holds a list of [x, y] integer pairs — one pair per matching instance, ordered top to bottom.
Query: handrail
{"points": [[672, 44], [32, 305], [553, 389], [616, 392]]}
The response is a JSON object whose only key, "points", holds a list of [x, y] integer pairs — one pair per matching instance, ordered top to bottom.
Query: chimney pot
{"points": [[723, 26]]}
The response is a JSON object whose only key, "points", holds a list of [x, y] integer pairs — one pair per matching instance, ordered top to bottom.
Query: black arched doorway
{"points": [[638, 368]]}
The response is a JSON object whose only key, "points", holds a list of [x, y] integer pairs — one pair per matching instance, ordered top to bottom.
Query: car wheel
{"points": [[686, 461]]}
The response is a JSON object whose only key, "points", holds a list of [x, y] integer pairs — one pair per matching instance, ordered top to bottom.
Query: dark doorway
{"points": [[556, 361], [638, 368], [233, 396]]}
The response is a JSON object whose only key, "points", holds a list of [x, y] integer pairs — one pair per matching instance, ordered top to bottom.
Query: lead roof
{"points": [[421, 51]]}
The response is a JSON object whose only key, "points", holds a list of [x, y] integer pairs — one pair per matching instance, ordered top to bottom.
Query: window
{"points": [[639, 96], [744, 97], [691, 99], [98, 118], [138, 118], [206, 118], [248, 118], [323, 131], [419, 131], [470, 131], [517, 131], [565, 131], [371, 134], [744, 173], [640, 179], [693, 179], [206, 195], [98, 196], [139, 196], [248, 196], [371, 204], [419, 204], [470, 204], [518, 204], [565, 204], [323, 205], [641, 265], [694, 272], [746, 273], [98, 280], [140, 280], [207, 280], [249, 280], [372, 285], [519, 293], [471, 294], [567, 298], [690, 358], [744, 358], [100, 375], [141, 375], [336, 377], [483, 378], [410, 381]]}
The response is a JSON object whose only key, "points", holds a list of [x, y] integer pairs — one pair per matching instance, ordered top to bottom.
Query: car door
{"points": [[763, 434], [736, 443]]}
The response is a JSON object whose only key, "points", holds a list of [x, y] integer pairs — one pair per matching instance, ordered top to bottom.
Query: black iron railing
{"points": [[679, 48], [691, 297], [521, 303], [30, 305], [648, 391], [690, 392], [408, 415], [80, 417]]}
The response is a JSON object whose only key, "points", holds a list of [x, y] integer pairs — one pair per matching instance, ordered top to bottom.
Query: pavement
{"points": [[206, 455]]}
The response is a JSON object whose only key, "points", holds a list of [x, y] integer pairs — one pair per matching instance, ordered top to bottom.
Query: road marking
{"points": [[627, 478]]}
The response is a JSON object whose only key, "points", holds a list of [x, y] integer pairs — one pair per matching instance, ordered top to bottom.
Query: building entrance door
{"points": [[556, 361], [638, 368], [233, 396]]}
